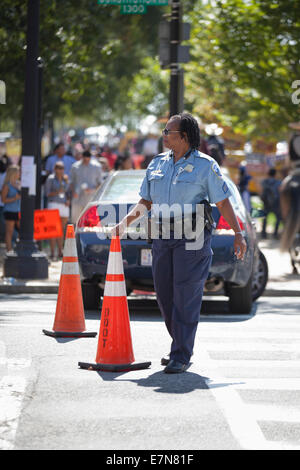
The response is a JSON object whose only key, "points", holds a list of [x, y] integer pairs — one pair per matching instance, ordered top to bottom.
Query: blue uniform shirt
{"points": [[188, 181]]}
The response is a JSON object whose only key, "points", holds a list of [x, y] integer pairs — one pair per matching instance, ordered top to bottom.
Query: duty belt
{"points": [[172, 223]]}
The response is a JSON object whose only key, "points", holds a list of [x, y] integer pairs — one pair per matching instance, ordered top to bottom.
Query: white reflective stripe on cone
{"points": [[70, 248], [115, 263], [70, 268], [115, 289]]}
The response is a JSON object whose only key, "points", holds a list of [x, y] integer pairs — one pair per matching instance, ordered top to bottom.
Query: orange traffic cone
{"points": [[69, 317], [115, 353]]}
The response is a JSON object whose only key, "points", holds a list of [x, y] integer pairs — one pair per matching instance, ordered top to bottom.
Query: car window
{"points": [[123, 188]]}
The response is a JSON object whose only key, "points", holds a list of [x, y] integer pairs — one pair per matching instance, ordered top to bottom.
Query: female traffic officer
{"points": [[182, 176]]}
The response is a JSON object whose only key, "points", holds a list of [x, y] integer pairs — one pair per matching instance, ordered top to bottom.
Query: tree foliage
{"points": [[91, 54], [245, 57]]}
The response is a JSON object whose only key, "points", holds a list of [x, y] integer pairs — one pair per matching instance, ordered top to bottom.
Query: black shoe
{"points": [[165, 360], [175, 367]]}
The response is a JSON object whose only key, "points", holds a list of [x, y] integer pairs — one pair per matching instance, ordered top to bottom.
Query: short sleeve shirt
{"points": [[67, 160], [188, 181]]}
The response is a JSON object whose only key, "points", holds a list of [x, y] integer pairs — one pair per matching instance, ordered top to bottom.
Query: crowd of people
{"points": [[70, 177]]}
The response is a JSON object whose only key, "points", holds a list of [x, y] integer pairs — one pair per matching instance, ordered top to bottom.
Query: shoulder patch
{"points": [[216, 169]]}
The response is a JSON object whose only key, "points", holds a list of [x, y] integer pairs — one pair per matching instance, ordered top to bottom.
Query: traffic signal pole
{"points": [[175, 24], [27, 262]]}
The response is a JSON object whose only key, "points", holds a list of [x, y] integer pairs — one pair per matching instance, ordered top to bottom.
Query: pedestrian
{"points": [[214, 143], [150, 149], [59, 155], [109, 155], [123, 162], [4, 163], [105, 167], [182, 176], [86, 177], [243, 183], [56, 190], [11, 195], [271, 200], [290, 205]]}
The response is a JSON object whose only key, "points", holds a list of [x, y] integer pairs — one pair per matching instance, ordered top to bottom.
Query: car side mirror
{"points": [[257, 213]]}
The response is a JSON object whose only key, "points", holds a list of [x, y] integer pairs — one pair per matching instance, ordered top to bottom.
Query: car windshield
{"points": [[123, 187]]}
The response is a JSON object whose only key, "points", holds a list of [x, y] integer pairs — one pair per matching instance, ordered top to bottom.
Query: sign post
{"points": [[27, 262]]}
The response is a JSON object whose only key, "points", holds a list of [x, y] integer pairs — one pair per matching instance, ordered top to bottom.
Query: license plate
{"points": [[146, 257]]}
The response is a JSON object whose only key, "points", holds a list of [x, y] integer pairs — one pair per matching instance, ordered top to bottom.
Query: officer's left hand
{"points": [[240, 246]]}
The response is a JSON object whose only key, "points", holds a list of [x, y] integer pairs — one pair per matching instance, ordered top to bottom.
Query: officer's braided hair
{"points": [[188, 124]]}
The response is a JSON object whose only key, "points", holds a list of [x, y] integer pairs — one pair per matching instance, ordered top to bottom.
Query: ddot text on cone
{"points": [[115, 352]]}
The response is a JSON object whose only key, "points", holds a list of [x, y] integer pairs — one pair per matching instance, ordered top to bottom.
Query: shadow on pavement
{"points": [[186, 382], [165, 383]]}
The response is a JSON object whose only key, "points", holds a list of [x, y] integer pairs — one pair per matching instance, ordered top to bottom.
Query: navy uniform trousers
{"points": [[179, 277]]}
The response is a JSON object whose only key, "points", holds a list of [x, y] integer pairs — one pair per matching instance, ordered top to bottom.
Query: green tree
{"points": [[91, 55], [245, 57]]}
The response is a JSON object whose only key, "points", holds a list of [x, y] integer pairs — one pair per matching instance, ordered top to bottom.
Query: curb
{"points": [[23, 289], [53, 289]]}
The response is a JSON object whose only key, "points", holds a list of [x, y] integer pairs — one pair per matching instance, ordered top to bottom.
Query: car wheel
{"points": [[260, 276], [91, 295], [240, 298]]}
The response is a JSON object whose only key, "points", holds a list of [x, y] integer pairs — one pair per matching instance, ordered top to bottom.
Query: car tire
{"points": [[260, 277], [91, 295], [240, 298]]}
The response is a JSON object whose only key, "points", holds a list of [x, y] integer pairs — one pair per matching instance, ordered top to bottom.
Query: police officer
{"points": [[183, 176]]}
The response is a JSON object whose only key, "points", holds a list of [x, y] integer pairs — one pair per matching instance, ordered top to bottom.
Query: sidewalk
{"points": [[281, 280]]}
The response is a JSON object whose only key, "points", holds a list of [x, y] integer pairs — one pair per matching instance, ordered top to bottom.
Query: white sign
{"points": [[2, 92], [28, 175]]}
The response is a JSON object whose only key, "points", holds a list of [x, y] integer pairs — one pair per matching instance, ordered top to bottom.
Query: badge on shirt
{"points": [[189, 168], [215, 168], [156, 172]]}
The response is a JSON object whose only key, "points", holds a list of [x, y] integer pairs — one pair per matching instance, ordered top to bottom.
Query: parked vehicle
{"points": [[242, 281]]}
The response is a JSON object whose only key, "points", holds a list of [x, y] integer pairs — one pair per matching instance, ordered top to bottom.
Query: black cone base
{"points": [[68, 334], [115, 367]]}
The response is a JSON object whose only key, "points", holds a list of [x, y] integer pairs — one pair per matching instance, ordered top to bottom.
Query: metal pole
{"points": [[174, 66], [40, 135], [27, 262]]}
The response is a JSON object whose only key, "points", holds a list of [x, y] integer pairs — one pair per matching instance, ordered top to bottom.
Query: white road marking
{"points": [[289, 384], [12, 389], [243, 418], [242, 423]]}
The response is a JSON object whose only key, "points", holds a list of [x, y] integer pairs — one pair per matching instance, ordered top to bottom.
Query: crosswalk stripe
{"points": [[12, 389]]}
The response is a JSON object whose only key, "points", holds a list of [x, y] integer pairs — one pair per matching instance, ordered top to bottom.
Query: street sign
{"points": [[133, 2], [133, 9], [183, 54], [47, 224]]}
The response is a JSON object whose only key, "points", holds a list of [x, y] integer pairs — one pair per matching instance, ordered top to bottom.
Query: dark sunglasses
{"points": [[167, 131]]}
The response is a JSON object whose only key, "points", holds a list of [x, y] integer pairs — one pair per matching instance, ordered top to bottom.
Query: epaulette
{"points": [[163, 154], [203, 155]]}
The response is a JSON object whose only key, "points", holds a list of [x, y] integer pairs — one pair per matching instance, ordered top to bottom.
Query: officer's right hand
{"points": [[118, 230]]}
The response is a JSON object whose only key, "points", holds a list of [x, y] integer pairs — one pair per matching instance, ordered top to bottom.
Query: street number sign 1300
{"points": [[133, 9]]}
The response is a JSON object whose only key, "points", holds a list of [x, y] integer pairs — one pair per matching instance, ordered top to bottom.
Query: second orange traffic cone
{"points": [[69, 317], [115, 351]]}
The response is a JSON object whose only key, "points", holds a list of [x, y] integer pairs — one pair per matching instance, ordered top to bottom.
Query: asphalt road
{"points": [[240, 392]]}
